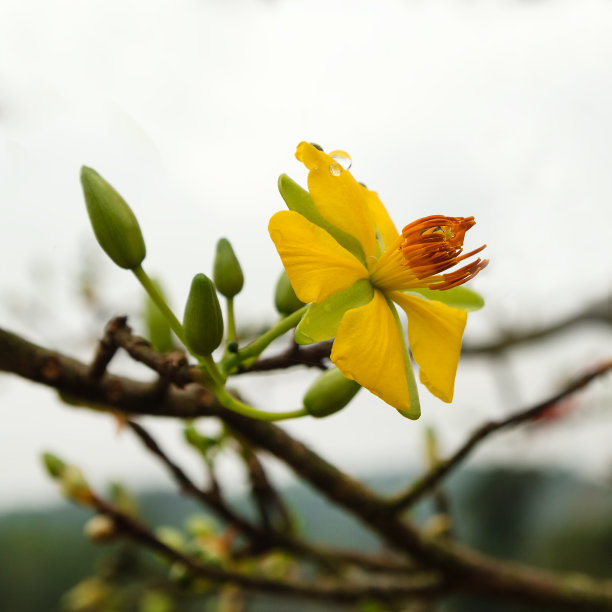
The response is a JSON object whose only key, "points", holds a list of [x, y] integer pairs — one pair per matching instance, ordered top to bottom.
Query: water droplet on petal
{"points": [[343, 158], [335, 169]]}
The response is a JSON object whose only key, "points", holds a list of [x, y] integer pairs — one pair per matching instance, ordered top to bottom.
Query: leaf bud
{"points": [[114, 224], [227, 272], [285, 300], [203, 321], [160, 333], [329, 393], [54, 465]]}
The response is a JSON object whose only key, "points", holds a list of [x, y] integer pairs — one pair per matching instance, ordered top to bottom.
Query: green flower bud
{"points": [[114, 224], [227, 272], [285, 300], [202, 321], [160, 333], [329, 393], [54, 465], [74, 484]]}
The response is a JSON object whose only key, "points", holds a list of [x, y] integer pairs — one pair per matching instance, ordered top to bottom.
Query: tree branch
{"points": [[463, 568]]}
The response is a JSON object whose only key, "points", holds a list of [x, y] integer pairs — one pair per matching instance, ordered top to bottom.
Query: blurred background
{"points": [[192, 109]]}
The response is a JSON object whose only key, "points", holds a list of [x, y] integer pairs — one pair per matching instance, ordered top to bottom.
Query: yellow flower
{"points": [[344, 255]]}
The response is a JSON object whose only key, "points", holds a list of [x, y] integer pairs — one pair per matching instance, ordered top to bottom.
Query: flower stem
{"points": [[159, 301], [231, 323], [257, 346], [208, 365], [231, 403]]}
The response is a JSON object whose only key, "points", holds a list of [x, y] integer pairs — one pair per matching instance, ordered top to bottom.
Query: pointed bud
{"points": [[114, 224], [227, 272], [285, 300], [202, 320], [160, 333], [329, 393], [54, 465], [74, 484]]}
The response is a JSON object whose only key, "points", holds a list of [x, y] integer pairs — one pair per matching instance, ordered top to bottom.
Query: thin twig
{"points": [[106, 349], [441, 470], [209, 498], [264, 540]]}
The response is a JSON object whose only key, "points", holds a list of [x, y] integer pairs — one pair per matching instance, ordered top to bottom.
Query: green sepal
{"points": [[299, 200], [114, 224], [227, 272], [457, 297], [285, 300], [203, 321], [320, 322], [329, 393], [414, 412]]}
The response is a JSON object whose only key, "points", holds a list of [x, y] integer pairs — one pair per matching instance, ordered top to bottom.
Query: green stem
{"points": [[159, 301], [231, 324], [258, 346], [207, 363], [413, 393], [231, 403]]}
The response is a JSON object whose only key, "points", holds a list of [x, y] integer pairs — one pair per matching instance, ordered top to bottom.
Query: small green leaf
{"points": [[299, 200], [457, 297], [321, 320]]}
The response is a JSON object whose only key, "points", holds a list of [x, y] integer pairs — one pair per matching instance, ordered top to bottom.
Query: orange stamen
{"points": [[434, 244]]}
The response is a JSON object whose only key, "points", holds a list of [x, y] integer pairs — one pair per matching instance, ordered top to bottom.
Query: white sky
{"points": [[192, 109]]}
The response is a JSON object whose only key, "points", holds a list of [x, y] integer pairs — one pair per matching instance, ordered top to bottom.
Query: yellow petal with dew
{"points": [[338, 196], [316, 264], [434, 333], [369, 349]]}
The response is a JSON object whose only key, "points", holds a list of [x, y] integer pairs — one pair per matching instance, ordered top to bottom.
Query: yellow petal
{"points": [[338, 196], [386, 228], [316, 264], [434, 332], [368, 348]]}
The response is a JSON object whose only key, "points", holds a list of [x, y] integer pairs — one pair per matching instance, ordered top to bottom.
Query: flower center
{"points": [[426, 248]]}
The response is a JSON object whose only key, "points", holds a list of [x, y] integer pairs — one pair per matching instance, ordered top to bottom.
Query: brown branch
{"points": [[599, 312], [107, 347], [314, 355], [441, 469], [269, 503], [464, 568]]}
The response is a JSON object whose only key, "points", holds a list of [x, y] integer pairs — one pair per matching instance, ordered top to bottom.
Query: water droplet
{"points": [[343, 158], [335, 169]]}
